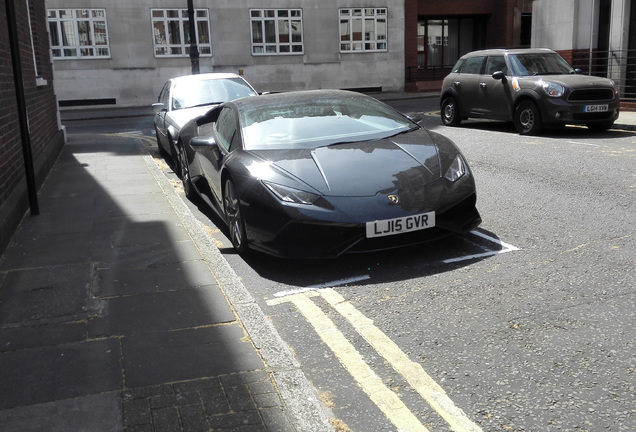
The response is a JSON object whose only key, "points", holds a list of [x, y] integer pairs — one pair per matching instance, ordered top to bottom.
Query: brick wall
{"points": [[45, 136]]}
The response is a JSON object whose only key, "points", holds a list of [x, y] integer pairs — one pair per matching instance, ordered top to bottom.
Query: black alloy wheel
{"points": [[450, 112], [528, 118], [162, 151], [174, 157], [188, 188], [234, 217]]}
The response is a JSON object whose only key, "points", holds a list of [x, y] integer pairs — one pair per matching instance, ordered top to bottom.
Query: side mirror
{"points": [[578, 71], [499, 75], [158, 107], [203, 143], [208, 143]]}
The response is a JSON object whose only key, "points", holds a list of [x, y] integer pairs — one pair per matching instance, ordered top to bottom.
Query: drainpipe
{"points": [[194, 50], [589, 66], [21, 105]]}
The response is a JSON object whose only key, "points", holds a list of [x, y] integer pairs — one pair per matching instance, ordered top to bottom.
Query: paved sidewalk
{"points": [[116, 313]]}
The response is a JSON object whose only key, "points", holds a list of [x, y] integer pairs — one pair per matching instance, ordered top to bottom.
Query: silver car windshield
{"points": [[539, 64], [192, 93], [317, 123]]}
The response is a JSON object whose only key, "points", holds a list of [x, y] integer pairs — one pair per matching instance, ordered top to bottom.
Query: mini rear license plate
{"points": [[595, 108], [401, 225]]}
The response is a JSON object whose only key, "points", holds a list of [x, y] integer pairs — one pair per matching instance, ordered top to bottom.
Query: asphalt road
{"points": [[527, 324]]}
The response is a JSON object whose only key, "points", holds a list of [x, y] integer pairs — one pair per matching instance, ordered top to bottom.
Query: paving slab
{"points": [[161, 312], [115, 316], [152, 359], [65, 371], [94, 413]]}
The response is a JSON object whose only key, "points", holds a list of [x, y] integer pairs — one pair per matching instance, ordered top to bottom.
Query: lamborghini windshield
{"points": [[310, 123]]}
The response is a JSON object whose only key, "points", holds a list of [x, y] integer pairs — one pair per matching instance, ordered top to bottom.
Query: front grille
{"points": [[590, 95], [305, 240]]}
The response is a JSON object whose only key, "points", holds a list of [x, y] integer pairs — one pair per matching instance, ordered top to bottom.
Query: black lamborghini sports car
{"points": [[325, 172]]}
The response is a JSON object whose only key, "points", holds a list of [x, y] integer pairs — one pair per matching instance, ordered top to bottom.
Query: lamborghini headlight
{"points": [[456, 170], [292, 195]]}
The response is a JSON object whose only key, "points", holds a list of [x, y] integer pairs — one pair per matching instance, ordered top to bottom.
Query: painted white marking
{"points": [[494, 240], [505, 247], [322, 285]]}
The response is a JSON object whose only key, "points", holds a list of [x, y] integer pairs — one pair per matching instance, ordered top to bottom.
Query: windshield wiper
{"points": [[204, 104], [410, 129]]}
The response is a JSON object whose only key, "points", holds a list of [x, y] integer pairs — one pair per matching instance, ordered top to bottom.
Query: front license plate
{"points": [[595, 108], [400, 225]]}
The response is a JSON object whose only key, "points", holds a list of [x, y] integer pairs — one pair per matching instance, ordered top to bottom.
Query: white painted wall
{"points": [[573, 24], [134, 77]]}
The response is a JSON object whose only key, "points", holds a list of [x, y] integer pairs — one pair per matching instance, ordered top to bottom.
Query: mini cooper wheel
{"points": [[450, 112], [528, 118], [234, 217]]}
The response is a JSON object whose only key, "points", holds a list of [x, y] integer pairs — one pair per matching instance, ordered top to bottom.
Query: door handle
{"points": [[483, 85]]}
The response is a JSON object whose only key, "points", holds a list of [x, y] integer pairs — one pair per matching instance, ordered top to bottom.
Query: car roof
{"points": [[504, 51], [205, 77], [296, 96]]}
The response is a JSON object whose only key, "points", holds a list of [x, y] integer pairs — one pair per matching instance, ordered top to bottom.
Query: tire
{"points": [[450, 112], [528, 118], [599, 127], [162, 151], [174, 157], [188, 188], [234, 217]]}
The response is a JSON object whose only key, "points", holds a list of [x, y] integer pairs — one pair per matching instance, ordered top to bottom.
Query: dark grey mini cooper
{"points": [[535, 88]]}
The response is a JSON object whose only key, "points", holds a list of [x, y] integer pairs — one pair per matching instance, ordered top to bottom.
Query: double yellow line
{"points": [[384, 398]]}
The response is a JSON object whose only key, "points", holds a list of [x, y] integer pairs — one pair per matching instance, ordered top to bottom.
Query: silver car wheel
{"points": [[450, 115], [528, 118]]}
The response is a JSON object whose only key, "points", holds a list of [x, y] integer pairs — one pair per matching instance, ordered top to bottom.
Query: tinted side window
{"points": [[497, 63], [473, 65], [458, 66], [163, 96], [225, 127]]}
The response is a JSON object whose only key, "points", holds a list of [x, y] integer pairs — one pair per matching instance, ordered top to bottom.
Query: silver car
{"points": [[534, 88], [187, 97]]}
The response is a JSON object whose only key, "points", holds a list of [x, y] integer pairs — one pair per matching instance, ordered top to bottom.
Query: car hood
{"points": [[573, 80], [180, 117], [403, 162]]}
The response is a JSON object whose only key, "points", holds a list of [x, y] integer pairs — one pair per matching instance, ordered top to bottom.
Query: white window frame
{"points": [[165, 18], [372, 24], [287, 28], [75, 32]]}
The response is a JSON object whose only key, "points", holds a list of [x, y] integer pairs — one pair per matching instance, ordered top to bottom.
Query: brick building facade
{"points": [[437, 33], [45, 132]]}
